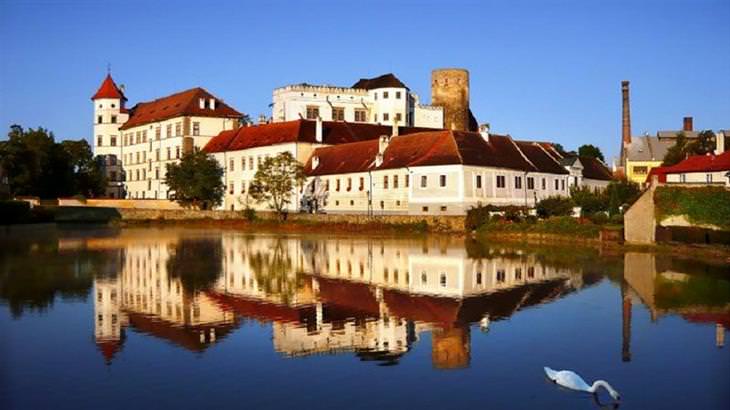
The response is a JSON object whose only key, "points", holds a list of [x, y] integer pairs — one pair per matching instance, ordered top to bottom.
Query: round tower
{"points": [[450, 90]]}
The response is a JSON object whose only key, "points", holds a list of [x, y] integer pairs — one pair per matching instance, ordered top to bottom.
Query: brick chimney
{"points": [[626, 114], [687, 124]]}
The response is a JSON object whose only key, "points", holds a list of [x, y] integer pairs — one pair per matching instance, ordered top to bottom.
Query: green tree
{"points": [[684, 147], [588, 150], [35, 164], [89, 178], [276, 180], [196, 181], [621, 193], [589, 200]]}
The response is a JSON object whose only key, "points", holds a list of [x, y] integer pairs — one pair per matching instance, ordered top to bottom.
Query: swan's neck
{"points": [[601, 383]]}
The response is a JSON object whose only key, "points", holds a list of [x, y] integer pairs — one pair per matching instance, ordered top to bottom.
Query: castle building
{"points": [[383, 100], [137, 143]]}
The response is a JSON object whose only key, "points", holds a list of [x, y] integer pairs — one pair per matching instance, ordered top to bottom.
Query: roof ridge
{"points": [[456, 147], [517, 147]]}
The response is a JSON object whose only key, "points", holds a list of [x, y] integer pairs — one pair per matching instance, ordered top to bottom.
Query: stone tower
{"points": [[450, 90]]}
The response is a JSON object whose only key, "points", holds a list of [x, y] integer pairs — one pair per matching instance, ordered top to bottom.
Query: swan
{"points": [[573, 381]]}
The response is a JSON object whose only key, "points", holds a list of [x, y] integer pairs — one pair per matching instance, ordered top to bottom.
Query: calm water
{"points": [[182, 318]]}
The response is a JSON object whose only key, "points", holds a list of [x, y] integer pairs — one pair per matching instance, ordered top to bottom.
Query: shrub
{"points": [[589, 200], [706, 205], [555, 206], [14, 212], [249, 214], [480, 215], [476, 217], [600, 218], [617, 219]]}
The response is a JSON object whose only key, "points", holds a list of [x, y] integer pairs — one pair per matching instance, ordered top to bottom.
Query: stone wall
{"points": [[640, 220], [435, 223]]}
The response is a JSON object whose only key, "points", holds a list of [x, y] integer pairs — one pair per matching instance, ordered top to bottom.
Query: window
{"points": [[375, 95], [385, 95], [397, 95], [312, 112], [338, 114], [360, 116], [375, 117], [386, 117], [398, 117], [98, 119], [114, 119], [196, 128], [178, 129], [168, 132], [158, 133], [144, 136], [113, 140], [99, 141], [177, 152], [168, 153], [157, 154], [250, 162], [231, 165], [641, 170], [157, 173], [408, 177], [708, 177], [682, 178], [395, 181], [424, 181], [442, 181], [500, 181], [385, 182], [479, 182], [518, 182], [362, 183], [530, 183], [349, 184], [544, 184], [557, 184], [327, 185], [337, 185], [562, 185], [231, 187], [243, 187], [352, 203], [382, 204], [424, 209], [443, 209], [531, 272], [518, 273], [500, 275], [424, 278], [479, 278], [442, 280]]}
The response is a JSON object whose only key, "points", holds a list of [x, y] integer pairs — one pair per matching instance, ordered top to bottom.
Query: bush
{"points": [[589, 200], [706, 205], [555, 206], [14, 212], [249, 214], [480, 215], [476, 217], [599, 218], [617, 219]]}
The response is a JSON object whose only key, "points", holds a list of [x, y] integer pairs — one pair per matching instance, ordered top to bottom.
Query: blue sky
{"points": [[547, 70]]}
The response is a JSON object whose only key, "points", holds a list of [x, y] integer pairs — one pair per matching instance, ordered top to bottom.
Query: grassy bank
{"points": [[702, 206], [560, 225]]}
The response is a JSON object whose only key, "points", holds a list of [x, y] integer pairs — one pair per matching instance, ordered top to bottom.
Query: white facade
{"points": [[384, 106], [109, 115], [700, 178]]}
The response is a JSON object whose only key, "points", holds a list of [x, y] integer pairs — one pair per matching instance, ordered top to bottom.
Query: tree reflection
{"points": [[198, 262], [274, 271]]}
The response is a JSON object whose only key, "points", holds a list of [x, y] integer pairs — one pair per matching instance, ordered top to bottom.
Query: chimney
{"points": [[626, 114], [687, 124], [318, 129], [394, 131], [484, 131], [719, 142], [382, 146]]}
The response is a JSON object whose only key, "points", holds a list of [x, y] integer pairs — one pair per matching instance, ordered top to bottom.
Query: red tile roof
{"points": [[384, 81], [109, 89], [175, 105], [333, 132], [442, 147], [540, 158], [701, 163], [595, 169], [659, 172], [109, 348]]}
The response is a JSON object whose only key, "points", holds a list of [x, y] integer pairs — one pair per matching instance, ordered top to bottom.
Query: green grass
{"points": [[703, 206], [559, 225]]}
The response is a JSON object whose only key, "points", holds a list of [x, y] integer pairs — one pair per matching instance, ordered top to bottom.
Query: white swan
{"points": [[571, 380]]}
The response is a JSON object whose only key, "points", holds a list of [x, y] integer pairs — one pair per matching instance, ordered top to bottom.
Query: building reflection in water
{"points": [[670, 286], [370, 297]]}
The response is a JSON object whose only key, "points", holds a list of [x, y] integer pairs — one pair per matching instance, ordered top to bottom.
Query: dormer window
{"points": [[201, 103], [315, 162]]}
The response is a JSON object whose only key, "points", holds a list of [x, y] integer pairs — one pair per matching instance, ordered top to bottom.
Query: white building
{"points": [[381, 100], [137, 143], [432, 173]]}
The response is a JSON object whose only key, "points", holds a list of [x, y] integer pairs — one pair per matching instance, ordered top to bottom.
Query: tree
{"points": [[683, 147], [561, 150], [592, 151], [35, 164], [89, 178], [276, 180], [196, 181], [620, 193]]}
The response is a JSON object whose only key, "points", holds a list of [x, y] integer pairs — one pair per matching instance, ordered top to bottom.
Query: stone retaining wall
{"points": [[436, 223]]}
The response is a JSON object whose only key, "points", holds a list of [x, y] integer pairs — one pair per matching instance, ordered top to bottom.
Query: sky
{"points": [[539, 70]]}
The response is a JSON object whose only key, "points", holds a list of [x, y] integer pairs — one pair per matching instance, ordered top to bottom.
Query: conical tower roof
{"points": [[109, 89]]}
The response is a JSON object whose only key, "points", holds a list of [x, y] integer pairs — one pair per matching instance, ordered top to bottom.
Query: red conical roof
{"points": [[109, 89]]}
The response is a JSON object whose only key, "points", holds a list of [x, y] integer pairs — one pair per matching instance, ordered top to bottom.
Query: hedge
{"points": [[702, 206]]}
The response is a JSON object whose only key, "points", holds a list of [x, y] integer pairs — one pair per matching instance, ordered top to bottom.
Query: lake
{"points": [[212, 318]]}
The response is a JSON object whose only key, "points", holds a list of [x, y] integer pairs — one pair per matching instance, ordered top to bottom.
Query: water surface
{"points": [[190, 318]]}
